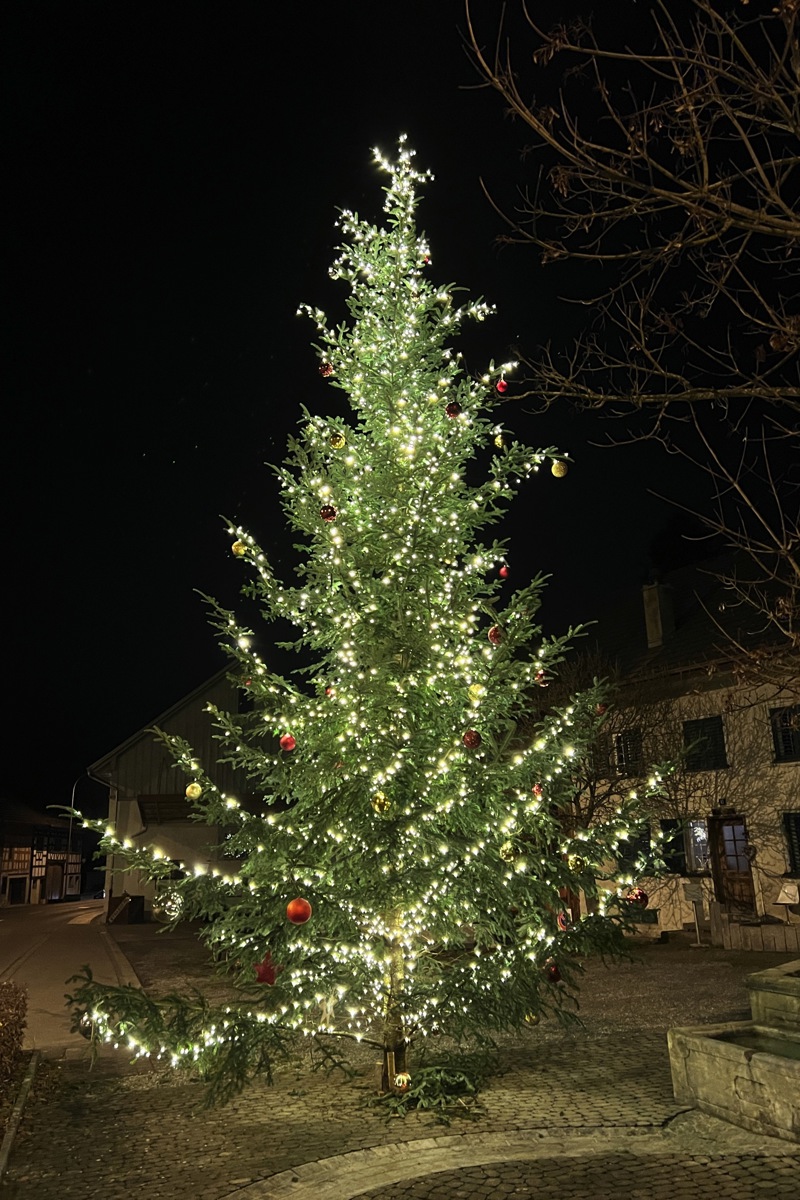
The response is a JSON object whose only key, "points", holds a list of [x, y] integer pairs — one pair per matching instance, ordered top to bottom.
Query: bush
{"points": [[13, 1007]]}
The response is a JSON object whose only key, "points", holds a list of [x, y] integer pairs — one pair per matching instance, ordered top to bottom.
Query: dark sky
{"points": [[174, 171]]}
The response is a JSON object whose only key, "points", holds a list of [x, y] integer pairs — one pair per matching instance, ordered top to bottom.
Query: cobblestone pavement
{"points": [[586, 1115], [607, 1177]]}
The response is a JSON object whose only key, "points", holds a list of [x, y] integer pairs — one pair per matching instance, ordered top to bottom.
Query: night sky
{"points": [[174, 171]]}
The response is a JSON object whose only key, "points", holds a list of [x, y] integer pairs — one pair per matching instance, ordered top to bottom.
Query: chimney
{"points": [[659, 618]]}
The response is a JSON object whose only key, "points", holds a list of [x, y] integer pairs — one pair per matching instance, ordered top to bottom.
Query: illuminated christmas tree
{"points": [[406, 870]]}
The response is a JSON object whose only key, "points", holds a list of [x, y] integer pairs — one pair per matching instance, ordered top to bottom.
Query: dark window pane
{"points": [[786, 732], [704, 743], [628, 746], [600, 757], [632, 849]]}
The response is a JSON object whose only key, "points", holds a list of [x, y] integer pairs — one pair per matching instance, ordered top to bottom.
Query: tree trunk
{"points": [[395, 1057]]}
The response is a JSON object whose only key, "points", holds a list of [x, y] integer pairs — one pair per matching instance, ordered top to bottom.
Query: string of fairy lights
{"points": [[399, 805]]}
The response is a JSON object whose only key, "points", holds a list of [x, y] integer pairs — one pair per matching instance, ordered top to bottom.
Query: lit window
{"points": [[685, 846], [698, 854]]}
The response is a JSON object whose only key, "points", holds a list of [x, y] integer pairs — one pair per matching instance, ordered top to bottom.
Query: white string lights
{"points": [[436, 865]]}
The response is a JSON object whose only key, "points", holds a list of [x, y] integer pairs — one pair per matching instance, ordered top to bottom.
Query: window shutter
{"points": [[791, 828], [673, 847]]}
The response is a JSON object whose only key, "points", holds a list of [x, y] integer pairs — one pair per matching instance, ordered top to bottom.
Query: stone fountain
{"points": [[747, 1072]]}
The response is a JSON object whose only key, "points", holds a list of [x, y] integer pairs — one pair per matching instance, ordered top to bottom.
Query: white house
{"points": [[147, 800]]}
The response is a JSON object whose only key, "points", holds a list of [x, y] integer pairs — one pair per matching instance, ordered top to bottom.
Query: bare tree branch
{"points": [[669, 167]]}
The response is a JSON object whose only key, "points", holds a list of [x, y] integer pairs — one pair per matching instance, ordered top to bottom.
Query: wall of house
{"points": [[144, 768], [753, 786], [186, 842]]}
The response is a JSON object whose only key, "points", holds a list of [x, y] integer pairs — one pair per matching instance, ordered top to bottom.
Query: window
{"points": [[786, 732], [704, 743], [628, 751], [618, 754], [600, 757], [791, 828], [685, 846], [735, 846], [632, 851], [698, 853]]}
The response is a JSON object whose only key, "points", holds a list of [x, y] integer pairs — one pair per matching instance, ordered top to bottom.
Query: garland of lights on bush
{"points": [[407, 867]]}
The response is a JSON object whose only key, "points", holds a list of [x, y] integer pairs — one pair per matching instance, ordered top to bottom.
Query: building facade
{"points": [[147, 800], [729, 820], [40, 856]]}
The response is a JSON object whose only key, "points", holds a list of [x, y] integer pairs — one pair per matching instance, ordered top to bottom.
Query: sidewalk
{"points": [[589, 1115]]}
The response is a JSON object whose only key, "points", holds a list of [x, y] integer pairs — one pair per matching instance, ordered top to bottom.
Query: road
{"points": [[41, 946]]}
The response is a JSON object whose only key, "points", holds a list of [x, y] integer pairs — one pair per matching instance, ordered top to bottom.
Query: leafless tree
{"points": [[666, 167]]}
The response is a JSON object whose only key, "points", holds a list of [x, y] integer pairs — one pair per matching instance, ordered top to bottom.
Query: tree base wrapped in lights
{"points": [[405, 871]]}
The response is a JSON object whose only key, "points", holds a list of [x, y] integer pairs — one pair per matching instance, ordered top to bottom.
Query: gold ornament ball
{"points": [[337, 441], [499, 441], [559, 469], [239, 549], [476, 691], [193, 791], [381, 802], [507, 852], [532, 1018], [402, 1081]]}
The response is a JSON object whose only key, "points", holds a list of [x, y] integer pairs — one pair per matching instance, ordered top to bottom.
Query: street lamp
{"points": [[69, 834]]}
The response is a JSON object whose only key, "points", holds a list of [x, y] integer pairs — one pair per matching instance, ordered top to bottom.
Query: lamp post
{"points": [[69, 834]]}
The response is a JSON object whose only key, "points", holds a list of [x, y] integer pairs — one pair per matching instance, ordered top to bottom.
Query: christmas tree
{"points": [[407, 870]]}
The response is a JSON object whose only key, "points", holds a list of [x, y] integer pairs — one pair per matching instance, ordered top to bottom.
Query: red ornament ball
{"points": [[326, 370], [501, 386], [453, 409], [328, 512], [504, 572], [495, 635], [600, 709], [472, 739], [287, 742], [537, 789], [639, 897], [298, 911], [563, 921], [267, 971], [552, 972]]}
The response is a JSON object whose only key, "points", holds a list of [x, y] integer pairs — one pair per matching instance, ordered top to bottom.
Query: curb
{"points": [[126, 976], [16, 1113], [345, 1176]]}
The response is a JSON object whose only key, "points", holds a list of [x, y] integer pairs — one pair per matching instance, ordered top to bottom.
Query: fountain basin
{"points": [[775, 996], [742, 1072]]}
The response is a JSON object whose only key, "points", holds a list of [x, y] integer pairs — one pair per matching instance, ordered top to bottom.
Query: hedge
{"points": [[13, 1007]]}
